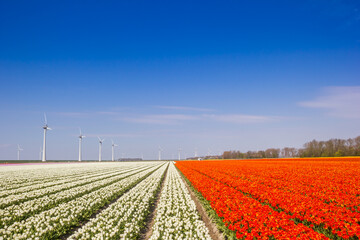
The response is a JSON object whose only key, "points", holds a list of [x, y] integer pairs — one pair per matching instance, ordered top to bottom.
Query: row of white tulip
{"points": [[15, 176], [22, 176], [34, 185], [13, 199], [23, 210], [176, 213], [125, 218], [59, 219]]}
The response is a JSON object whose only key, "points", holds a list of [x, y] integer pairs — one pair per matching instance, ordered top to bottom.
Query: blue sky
{"points": [[211, 75]]}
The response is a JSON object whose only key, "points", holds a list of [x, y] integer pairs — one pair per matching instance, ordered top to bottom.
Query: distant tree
{"points": [[357, 146], [331, 148], [272, 152], [288, 152], [339, 153], [261, 154]]}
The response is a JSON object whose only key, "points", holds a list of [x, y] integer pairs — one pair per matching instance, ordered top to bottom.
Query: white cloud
{"points": [[342, 102], [185, 108], [73, 114], [162, 118], [179, 118], [240, 118], [175, 119], [113, 135], [5, 145]]}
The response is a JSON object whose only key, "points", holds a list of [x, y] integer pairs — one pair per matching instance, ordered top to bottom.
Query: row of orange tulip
{"points": [[322, 194]]}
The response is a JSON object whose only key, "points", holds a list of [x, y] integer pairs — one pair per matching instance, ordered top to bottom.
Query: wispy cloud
{"points": [[342, 102], [185, 108], [108, 113], [73, 114], [87, 114], [171, 118], [240, 118], [161, 119], [113, 135], [5, 145]]}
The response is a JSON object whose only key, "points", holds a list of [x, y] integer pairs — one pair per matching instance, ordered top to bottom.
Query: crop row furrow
{"points": [[25, 177], [53, 182], [38, 193], [340, 194], [27, 209], [176, 214], [245, 215], [124, 218], [327, 218], [57, 221]]}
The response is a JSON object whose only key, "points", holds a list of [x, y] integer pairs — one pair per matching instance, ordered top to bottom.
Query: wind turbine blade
{"points": [[45, 118], [49, 128], [80, 131], [99, 139], [103, 140], [112, 141]]}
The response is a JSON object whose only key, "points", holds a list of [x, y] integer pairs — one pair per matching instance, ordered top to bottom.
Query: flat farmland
{"points": [[281, 198], [223, 199], [97, 201]]}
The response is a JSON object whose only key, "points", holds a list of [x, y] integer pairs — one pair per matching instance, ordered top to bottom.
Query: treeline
{"points": [[331, 148]]}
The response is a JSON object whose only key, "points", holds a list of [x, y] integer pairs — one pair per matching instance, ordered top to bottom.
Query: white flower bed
{"points": [[19, 176], [25, 176], [34, 185], [22, 197], [20, 211], [176, 214], [124, 218], [59, 219]]}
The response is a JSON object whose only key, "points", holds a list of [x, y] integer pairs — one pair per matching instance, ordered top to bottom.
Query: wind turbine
{"points": [[45, 127], [80, 143], [100, 145], [19, 149], [112, 152], [196, 152], [40, 153], [160, 153], [179, 154]]}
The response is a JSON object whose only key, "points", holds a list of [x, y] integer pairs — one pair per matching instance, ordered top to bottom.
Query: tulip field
{"points": [[282, 198], [245, 199], [96, 201], [176, 216]]}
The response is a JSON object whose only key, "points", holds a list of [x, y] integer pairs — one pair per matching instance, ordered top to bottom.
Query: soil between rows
{"points": [[82, 223], [147, 231], [214, 232]]}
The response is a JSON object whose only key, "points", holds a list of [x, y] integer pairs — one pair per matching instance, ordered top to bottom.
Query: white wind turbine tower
{"points": [[45, 127], [80, 143], [100, 145], [18, 150], [160, 150], [112, 152], [40, 153]]}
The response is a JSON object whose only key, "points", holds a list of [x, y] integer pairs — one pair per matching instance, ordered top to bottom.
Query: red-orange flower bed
{"points": [[282, 198]]}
